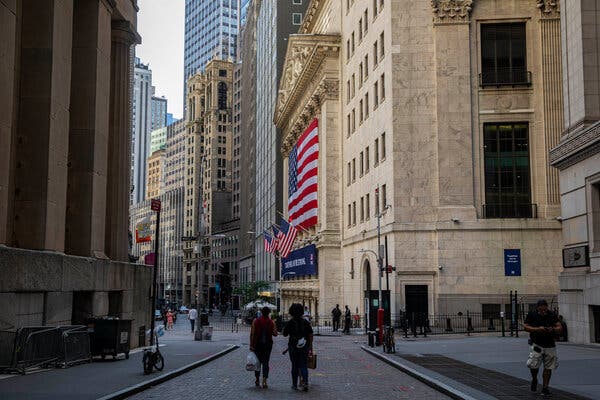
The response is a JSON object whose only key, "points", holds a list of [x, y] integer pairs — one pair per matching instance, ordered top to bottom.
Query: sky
{"points": [[161, 25]]}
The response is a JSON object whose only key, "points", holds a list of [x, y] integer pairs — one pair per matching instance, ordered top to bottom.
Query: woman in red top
{"points": [[169, 320], [261, 343]]}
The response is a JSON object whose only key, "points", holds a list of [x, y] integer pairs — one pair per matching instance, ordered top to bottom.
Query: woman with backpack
{"points": [[261, 343], [299, 345]]}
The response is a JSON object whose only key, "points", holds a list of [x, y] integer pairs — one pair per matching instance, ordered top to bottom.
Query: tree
{"points": [[250, 291]]}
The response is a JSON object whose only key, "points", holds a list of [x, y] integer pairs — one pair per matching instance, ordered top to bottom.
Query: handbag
{"points": [[312, 361]]}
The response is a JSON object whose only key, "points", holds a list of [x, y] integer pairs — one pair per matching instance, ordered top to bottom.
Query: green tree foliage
{"points": [[250, 291]]}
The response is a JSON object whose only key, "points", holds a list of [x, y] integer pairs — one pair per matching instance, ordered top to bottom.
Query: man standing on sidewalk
{"points": [[336, 314], [192, 316], [542, 326]]}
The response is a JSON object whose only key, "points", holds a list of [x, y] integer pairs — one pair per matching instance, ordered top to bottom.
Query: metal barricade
{"points": [[75, 345], [36, 347], [7, 349]]}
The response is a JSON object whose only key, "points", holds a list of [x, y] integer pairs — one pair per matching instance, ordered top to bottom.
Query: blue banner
{"points": [[300, 262], [512, 262]]}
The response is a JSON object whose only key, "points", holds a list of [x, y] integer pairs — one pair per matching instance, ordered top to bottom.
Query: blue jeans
{"points": [[299, 358]]}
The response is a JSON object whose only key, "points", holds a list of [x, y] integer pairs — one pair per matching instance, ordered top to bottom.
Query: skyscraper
{"points": [[211, 29], [159, 112], [141, 128]]}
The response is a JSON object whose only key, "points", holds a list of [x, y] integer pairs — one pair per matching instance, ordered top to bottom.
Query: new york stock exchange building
{"points": [[433, 119]]}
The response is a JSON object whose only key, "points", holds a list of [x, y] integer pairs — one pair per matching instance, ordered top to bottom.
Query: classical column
{"points": [[451, 19], [8, 66], [552, 84], [88, 135], [42, 137], [119, 139]]}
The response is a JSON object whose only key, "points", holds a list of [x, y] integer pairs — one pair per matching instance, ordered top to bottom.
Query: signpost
{"points": [[154, 206]]}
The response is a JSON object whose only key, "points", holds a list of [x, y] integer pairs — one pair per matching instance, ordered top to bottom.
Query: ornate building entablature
{"points": [[451, 11], [310, 76]]}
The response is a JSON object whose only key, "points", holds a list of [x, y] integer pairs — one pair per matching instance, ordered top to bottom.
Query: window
{"points": [[298, 2], [347, 6], [375, 8], [297, 18], [366, 20], [360, 30], [352, 38], [381, 46], [348, 50], [375, 54], [504, 55], [366, 66], [360, 74], [353, 85], [382, 87], [348, 91], [376, 94], [222, 95], [366, 105], [360, 112], [353, 120], [349, 126], [383, 145], [376, 150], [367, 160], [362, 163], [353, 169], [349, 175], [507, 176], [383, 196], [376, 201], [367, 207], [362, 209], [353, 213], [349, 215], [490, 311]]}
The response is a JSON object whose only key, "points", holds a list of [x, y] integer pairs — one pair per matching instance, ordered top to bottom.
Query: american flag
{"points": [[302, 181], [289, 235], [277, 237], [267, 238]]}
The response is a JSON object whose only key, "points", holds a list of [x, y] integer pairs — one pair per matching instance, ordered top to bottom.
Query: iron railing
{"points": [[505, 77], [510, 210]]}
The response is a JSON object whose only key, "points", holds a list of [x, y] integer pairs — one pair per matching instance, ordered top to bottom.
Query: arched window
{"points": [[222, 95], [367, 275]]}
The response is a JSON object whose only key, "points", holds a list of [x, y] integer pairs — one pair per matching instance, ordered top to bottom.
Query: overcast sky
{"points": [[161, 25]]}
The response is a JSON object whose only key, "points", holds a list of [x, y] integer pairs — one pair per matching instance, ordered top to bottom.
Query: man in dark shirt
{"points": [[542, 326]]}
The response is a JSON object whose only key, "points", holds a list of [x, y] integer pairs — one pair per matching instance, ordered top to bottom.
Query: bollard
{"points": [[502, 322], [470, 324], [448, 325], [491, 325], [405, 329]]}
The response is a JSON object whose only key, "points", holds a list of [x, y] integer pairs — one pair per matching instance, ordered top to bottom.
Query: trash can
{"points": [[203, 319], [109, 336], [371, 337], [377, 338]]}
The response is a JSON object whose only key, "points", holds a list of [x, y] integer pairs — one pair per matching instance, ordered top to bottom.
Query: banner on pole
{"points": [[143, 231]]}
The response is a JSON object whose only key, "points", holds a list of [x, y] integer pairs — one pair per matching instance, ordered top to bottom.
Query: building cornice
{"points": [[451, 11], [310, 16], [125, 32], [576, 147]]}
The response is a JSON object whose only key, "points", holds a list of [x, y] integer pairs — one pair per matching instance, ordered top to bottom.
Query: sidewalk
{"points": [[462, 356], [100, 378]]}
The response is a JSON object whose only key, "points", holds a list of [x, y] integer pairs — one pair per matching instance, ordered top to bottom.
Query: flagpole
{"points": [[303, 229]]}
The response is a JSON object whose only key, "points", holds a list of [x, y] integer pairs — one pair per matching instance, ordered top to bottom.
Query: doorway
{"points": [[417, 301], [596, 316]]}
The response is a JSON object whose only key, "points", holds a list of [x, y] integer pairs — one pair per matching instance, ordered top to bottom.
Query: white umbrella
{"points": [[259, 304]]}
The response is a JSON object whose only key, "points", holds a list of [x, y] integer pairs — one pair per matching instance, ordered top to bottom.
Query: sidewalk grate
{"points": [[496, 384]]}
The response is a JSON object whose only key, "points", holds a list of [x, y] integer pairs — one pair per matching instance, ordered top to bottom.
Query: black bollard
{"points": [[448, 325]]}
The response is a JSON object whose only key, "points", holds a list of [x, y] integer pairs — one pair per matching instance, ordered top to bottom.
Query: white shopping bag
{"points": [[252, 363]]}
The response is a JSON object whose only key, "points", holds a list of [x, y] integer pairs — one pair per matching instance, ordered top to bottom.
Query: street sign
{"points": [[155, 205], [512, 262]]}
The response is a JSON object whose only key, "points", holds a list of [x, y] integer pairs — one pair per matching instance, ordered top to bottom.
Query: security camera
{"points": [[559, 218], [455, 220], [440, 267]]}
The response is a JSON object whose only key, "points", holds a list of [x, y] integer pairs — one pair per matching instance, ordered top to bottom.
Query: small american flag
{"points": [[302, 180], [277, 237], [267, 239], [287, 242]]}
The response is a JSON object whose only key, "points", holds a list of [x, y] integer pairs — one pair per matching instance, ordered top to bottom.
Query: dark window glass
{"points": [[503, 54], [222, 95], [507, 176]]}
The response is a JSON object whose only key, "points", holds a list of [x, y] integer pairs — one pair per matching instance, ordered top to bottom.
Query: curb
{"points": [[428, 380], [140, 387]]}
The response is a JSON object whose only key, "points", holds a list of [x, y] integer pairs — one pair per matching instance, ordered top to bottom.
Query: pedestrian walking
{"points": [[336, 314], [192, 316], [169, 320], [347, 320], [542, 325], [261, 343], [300, 345]]}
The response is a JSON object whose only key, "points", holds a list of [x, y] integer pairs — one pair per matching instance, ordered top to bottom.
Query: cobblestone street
{"points": [[343, 370]]}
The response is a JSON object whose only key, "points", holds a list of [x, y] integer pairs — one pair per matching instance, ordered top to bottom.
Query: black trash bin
{"points": [[203, 319], [110, 336], [371, 336]]}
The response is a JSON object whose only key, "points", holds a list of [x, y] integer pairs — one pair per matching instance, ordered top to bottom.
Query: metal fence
{"points": [[43, 346]]}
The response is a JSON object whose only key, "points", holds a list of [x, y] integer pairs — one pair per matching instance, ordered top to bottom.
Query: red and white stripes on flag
{"points": [[302, 178], [287, 241]]}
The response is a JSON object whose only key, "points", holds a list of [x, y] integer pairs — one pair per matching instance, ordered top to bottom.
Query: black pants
{"points": [[347, 322], [192, 323], [336, 324], [263, 352], [299, 358]]}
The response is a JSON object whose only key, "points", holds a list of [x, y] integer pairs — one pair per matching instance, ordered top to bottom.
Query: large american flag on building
{"points": [[302, 183]]}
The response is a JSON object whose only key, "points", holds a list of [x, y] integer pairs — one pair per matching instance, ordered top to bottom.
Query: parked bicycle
{"points": [[389, 344], [153, 359]]}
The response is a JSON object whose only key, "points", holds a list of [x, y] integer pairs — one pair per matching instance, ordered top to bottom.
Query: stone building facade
{"points": [[435, 120], [65, 134], [577, 158], [155, 168], [208, 184]]}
